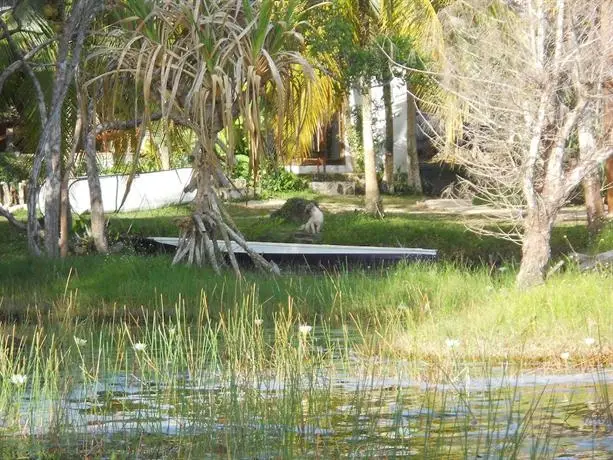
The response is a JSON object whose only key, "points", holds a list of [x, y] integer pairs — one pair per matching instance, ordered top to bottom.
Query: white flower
{"points": [[403, 306], [258, 322], [305, 329], [172, 330], [589, 341], [79, 342], [452, 343], [138, 346], [565, 356], [18, 379]]}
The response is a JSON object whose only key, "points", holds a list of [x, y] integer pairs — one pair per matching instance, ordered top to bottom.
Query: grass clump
{"points": [[244, 387]]}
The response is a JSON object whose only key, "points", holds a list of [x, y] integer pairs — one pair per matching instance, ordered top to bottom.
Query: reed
{"points": [[281, 387]]}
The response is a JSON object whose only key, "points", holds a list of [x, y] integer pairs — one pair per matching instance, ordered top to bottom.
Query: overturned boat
{"points": [[319, 254]]}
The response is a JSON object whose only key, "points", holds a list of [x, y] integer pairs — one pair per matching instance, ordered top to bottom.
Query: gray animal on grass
{"points": [[316, 219]]}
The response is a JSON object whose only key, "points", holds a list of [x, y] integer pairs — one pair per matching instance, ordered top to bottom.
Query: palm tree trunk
{"points": [[607, 29], [68, 57], [608, 128], [164, 149], [53, 157], [388, 171], [414, 178], [93, 181], [609, 185], [372, 199], [65, 211], [65, 217], [210, 223]]}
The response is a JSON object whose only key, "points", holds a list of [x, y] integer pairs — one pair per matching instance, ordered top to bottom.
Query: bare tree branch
{"points": [[522, 101], [6, 214]]}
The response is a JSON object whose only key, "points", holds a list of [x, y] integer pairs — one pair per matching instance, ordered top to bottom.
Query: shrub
{"points": [[274, 181]]}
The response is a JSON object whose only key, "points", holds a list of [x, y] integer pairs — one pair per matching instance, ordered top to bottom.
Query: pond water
{"points": [[329, 408], [542, 415]]}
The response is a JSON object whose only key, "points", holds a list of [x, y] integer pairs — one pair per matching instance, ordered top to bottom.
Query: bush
{"points": [[241, 168], [274, 181]]}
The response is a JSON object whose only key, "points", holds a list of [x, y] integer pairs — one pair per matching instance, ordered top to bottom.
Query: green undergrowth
{"points": [[410, 310], [413, 310]]}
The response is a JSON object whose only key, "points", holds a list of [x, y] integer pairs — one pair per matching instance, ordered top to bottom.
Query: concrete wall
{"points": [[148, 191]]}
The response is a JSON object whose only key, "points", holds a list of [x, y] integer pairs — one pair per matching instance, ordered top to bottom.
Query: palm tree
{"points": [[418, 22], [383, 26], [203, 65]]}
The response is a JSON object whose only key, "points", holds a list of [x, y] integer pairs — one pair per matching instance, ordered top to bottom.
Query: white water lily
{"points": [[258, 322], [305, 329], [589, 341], [80, 342], [452, 343], [139, 346], [565, 356], [19, 379]]}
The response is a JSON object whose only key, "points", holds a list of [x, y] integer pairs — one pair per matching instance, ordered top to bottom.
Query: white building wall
{"points": [[399, 108], [148, 191]]}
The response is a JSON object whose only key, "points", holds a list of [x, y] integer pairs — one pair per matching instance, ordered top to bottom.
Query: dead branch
{"points": [[11, 218]]}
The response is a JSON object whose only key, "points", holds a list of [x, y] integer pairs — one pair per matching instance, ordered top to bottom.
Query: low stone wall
{"points": [[334, 187]]}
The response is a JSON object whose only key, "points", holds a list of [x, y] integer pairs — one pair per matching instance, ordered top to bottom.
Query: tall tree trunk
{"points": [[71, 43], [346, 122], [608, 129], [53, 159], [388, 171], [414, 177], [609, 180], [93, 181], [591, 182], [372, 199], [65, 210], [65, 217], [199, 242], [536, 248]]}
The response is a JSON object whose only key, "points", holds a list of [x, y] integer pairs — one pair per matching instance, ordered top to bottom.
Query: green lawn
{"points": [[410, 309]]}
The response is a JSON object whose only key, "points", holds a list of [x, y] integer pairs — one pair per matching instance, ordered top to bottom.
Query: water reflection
{"points": [[342, 406], [380, 417]]}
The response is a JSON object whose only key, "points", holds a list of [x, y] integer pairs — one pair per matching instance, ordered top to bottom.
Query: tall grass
{"points": [[410, 310], [241, 387]]}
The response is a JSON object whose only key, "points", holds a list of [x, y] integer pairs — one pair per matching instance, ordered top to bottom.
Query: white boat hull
{"points": [[317, 253]]}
